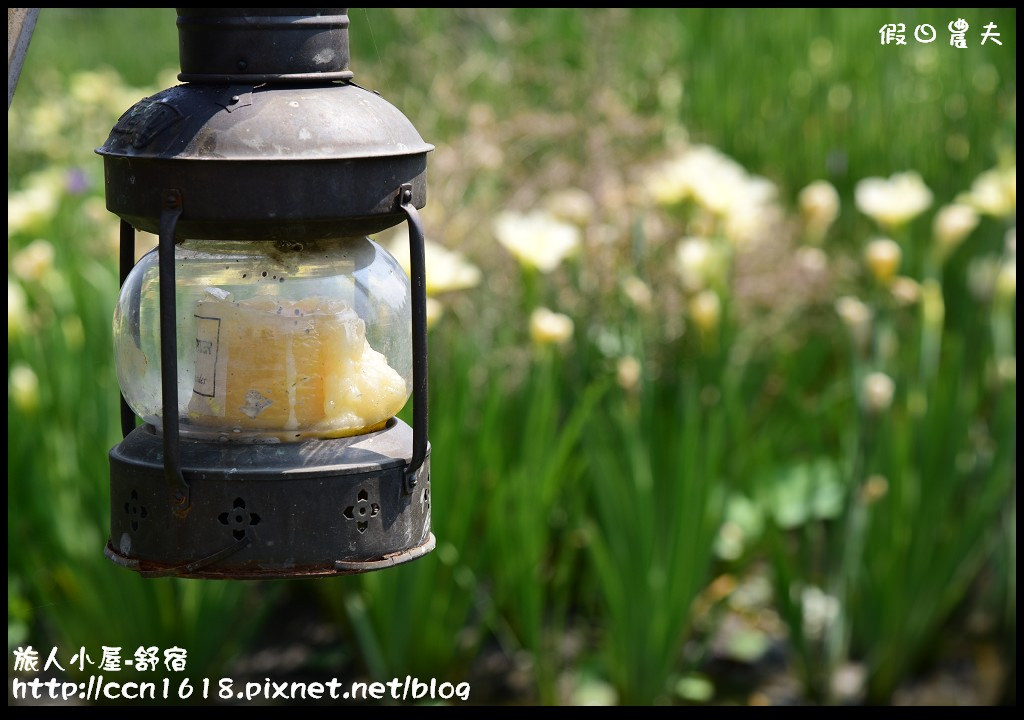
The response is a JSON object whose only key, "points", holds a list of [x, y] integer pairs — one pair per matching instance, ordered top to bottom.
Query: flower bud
{"points": [[819, 206], [952, 224], [882, 256], [706, 310], [550, 328], [876, 392]]}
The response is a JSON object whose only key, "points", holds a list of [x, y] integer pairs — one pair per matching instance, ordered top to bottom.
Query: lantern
{"points": [[267, 343]]}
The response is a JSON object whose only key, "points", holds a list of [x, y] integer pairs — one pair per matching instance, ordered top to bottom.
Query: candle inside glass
{"points": [[288, 369]]}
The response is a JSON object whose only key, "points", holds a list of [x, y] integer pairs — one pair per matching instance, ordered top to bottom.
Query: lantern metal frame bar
{"points": [[418, 276]]}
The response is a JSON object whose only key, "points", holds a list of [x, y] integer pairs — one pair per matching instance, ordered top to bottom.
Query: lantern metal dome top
{"points": [[268, 138]]}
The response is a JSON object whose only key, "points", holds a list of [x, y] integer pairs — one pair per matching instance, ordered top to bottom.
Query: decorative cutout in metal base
{"points": [[322, 507]]}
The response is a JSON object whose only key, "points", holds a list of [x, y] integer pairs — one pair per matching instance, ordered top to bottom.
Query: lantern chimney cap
{"points": [[263, 45]]}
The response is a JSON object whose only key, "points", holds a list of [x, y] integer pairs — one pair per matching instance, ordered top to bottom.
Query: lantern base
{"points": [[262, 511]]}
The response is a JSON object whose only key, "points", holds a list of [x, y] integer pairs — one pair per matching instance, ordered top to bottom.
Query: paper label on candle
{"points": [[207, 348], [209, 385]]}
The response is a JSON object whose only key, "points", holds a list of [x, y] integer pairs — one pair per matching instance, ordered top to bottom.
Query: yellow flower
{"points": [[895, 201], [819, 206], [952, 224], [537, 239], [882, 256], [446, 271], [706, 310], [550, 328], [23, 386], [877, 391], [874, 489]]}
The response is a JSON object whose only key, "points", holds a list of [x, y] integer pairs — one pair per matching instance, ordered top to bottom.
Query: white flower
{"points": [[675, 180], [718, 184], [994, 192], [895, 201], [572, 204], [819, 205], [32, 207], [952, 224], [537, 239], [882, 256], [812, 260], [34, 261], [700, 264], [446, 271], [981, 277], [1006, 280], [905, 290], [638, 292], [17, 310], [706, 310], [434, 312], [857, 318], [550, 328], [628, 373], [23, 386], [877, 391], [819, 610]]}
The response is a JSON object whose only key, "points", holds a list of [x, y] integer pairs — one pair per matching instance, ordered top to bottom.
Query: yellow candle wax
{"points": [[288, 369]]}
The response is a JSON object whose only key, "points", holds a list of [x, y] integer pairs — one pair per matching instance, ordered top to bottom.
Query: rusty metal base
{"points": [[262, 511]]}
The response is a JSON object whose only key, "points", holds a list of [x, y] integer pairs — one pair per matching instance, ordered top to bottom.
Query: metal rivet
{"points": [[242, 65], [235, 98]]}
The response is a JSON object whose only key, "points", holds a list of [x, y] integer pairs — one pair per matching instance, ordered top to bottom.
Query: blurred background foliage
{"points": [[723, 354]]}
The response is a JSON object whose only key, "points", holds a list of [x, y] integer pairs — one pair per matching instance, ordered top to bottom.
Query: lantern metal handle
{"points": [[417, 272], [169, 351]]}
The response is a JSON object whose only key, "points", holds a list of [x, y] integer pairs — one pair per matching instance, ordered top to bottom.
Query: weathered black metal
{"points": [[257, 45], [226, 157], [321, 161], [126, 263], [417, 269], [169, 352], [305, 507]]}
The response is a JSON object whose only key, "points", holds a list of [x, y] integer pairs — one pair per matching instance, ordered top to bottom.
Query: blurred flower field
{"points": [[723, 362]]}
